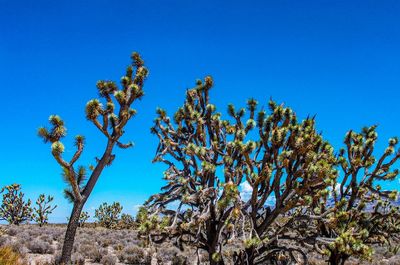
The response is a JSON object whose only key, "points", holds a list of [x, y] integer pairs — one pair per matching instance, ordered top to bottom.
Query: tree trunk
{"points": [[70, 233], [245, 257], [337, 258]]}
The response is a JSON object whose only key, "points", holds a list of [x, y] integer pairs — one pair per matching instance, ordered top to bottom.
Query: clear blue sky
{"points": [[337, 59]]}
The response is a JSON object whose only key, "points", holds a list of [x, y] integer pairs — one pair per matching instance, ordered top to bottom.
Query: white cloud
{"points": [[245, 190]]}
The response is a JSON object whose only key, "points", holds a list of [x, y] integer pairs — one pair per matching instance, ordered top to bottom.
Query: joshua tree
{"points": [[110, 119], [209, 158], [289, 164], [14, 209], [43, 209], [355, 212], [108, 215], [83, 218], [127, 221]]}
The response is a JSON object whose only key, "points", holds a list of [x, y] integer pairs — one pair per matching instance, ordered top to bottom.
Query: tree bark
{"points": [[78, 205], [70, 233], [337, 259]]}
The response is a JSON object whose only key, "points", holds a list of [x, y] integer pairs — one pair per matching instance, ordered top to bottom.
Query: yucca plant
{"points": [[110, 119], [209, 158], [14, 209], [43, 209], [355, 212], [108, 215]]}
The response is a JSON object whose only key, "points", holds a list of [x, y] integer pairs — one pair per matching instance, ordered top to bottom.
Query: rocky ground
{"points": [[42, 246]]}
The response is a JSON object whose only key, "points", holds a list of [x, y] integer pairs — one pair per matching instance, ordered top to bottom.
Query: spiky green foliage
{"points": [[110, 114], [110, 118], [209, 157], [14, 209], [43, 209], [355, 212], [108, 215], [84, 216], [126, 221], [148, 223]]}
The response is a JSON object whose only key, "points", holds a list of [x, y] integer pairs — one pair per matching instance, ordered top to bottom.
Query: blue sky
{"points": [[337, 59]]}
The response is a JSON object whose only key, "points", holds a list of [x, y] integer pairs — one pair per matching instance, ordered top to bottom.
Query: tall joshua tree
{"points": [[110, 119], [208, 158]]}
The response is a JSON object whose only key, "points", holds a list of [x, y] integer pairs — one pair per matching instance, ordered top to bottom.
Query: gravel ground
{"points": [[42, 246]]}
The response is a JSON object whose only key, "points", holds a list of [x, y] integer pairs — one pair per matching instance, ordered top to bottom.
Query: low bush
{"points": [[38, 246], [134, 255], [108, 260]]}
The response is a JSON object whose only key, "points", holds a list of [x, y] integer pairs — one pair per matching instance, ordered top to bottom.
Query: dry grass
{"points": [[9, 257]]}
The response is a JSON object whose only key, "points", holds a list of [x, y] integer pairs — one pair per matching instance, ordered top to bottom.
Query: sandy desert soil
{"points": [[42, 245]]}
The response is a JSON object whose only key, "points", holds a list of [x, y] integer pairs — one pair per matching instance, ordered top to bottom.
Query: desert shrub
{"points": [[14, 209], [108, 215], [12, 230], [47, 238], [4, 241], [18, 246], [38, 246], [92, 251], [134, 255], [172, 255], [10, 257], [78, 259], [109, 260]]}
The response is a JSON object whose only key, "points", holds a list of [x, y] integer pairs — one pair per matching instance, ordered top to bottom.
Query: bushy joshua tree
{"points": [[110, 119], [209, 158], [289, 164], [14, 209], [42, 209], [355, 212], [108, 215], [83, 218], [126, 221], [148, 223]]}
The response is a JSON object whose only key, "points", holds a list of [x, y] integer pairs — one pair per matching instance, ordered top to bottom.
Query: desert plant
{"points": [[110, 119], [209, 158], [14, 209], [42, 209], [355, 212], [108, 215], [83, 217], [126, 221], [38, 246], [134, 255], [9, 257], [109, 260]]}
